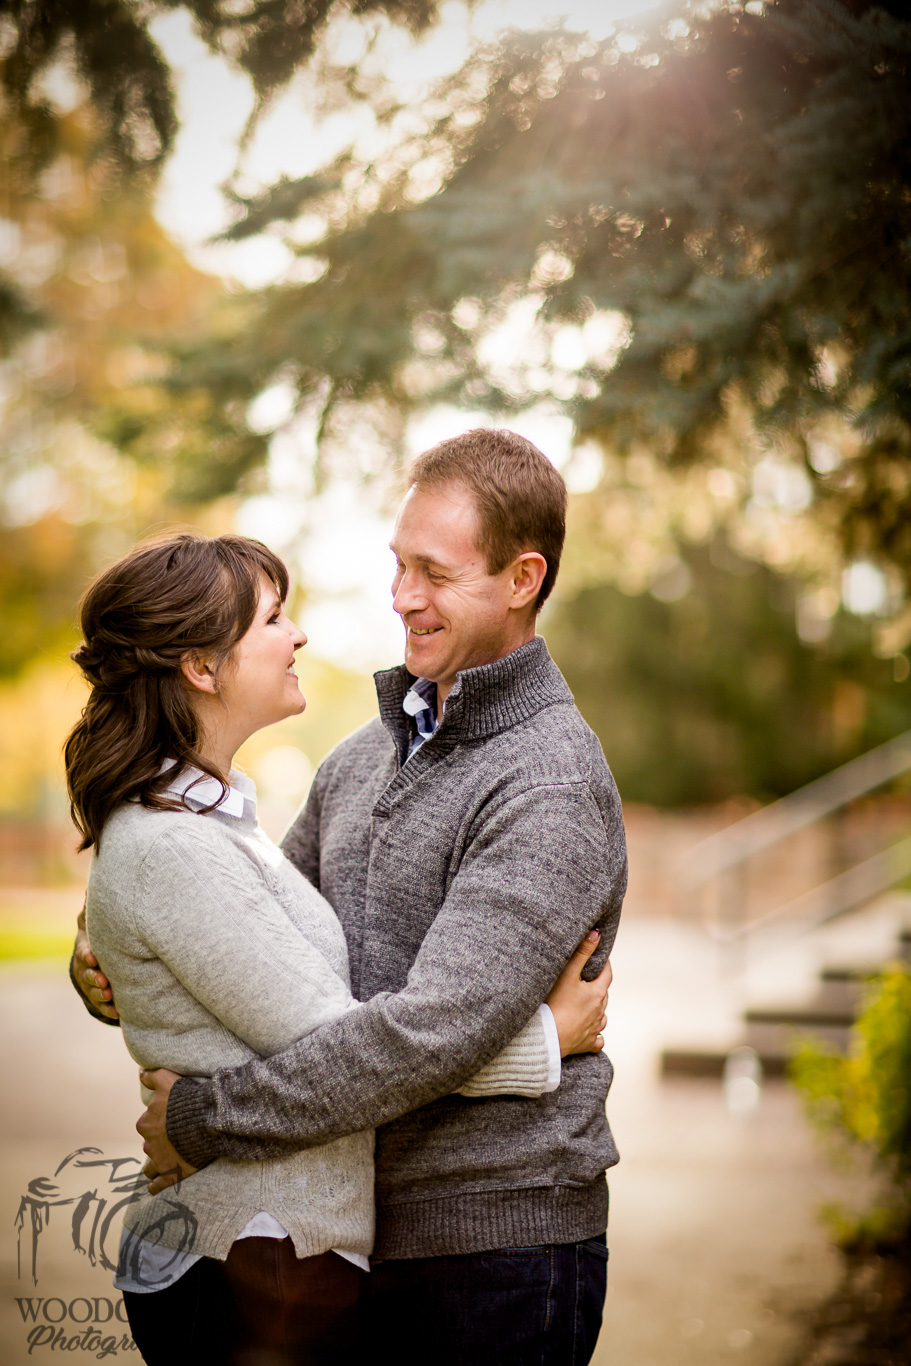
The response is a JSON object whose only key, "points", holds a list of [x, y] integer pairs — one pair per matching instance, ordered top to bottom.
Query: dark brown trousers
{"points": [[263, 1306]]}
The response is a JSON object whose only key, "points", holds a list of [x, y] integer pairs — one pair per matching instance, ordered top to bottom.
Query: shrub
{"points": [[864, 1099]]}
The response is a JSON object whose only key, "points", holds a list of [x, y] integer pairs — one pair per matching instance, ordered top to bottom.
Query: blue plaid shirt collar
{"points": [[420, 703]]}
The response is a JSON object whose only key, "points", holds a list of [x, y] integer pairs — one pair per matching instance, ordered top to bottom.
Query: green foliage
{"points": [[270, 39], [112, 52], [125, 73], [126, 108], [731, 185], [735, 188], [715, 208], [714, 694], [864, 1098]]}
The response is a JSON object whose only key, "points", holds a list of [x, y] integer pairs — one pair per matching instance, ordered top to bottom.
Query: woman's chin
{"points": [[298, 704]]}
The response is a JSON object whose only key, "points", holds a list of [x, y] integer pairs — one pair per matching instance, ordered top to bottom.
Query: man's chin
{"points": [[421, 663]]}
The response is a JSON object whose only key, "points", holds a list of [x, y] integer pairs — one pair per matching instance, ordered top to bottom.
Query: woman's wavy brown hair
{"points": [[168, 599]]}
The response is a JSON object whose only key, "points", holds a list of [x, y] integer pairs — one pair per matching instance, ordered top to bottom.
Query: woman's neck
{"points": [[218, 742]]}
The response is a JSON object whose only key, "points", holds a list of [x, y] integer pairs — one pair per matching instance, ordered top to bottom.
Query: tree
{"points": [[109, 45], [106, 46], [699, 232], [704, 263], [98, 285], [91, 288], [702, 689]]}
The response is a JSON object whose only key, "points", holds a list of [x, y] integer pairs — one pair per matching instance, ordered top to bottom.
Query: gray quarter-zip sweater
{"points": [[463, 879]]}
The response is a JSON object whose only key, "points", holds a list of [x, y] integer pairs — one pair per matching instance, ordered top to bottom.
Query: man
{"points": [[468, 839]]}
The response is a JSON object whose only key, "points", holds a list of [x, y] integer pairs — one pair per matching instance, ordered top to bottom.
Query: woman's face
{"points": [[258, 685]]}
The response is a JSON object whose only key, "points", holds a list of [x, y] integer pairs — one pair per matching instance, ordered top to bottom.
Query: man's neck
{"points": [[444, 689]]}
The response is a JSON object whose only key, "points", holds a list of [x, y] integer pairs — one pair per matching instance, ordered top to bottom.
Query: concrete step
{"points": [[842, 974], [834, 1005], [774, 1030], [773, 1043], [680, 1062]]}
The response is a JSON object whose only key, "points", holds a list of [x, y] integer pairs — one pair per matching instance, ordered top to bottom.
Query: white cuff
{"points": [[552, 1040]]}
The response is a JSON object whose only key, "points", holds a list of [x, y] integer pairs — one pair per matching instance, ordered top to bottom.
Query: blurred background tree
{"points": [[692, 237], [93, 285], [702, 689]]}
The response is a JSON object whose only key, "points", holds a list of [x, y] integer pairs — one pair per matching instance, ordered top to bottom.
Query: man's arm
{"points": [[541, 871], [576, 1008]]}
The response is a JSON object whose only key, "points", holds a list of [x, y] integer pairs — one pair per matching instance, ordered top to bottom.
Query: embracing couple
{"points": [[425, 959]]}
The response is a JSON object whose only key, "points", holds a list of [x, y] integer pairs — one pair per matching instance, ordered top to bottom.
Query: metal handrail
{"points": [[756, 832], [838, 896]]}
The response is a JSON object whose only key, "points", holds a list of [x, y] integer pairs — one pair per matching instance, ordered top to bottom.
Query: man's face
{"points": [[456, 614]]}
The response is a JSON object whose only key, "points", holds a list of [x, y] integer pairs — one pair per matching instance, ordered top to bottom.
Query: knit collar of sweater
{"points": [[483, 701]]}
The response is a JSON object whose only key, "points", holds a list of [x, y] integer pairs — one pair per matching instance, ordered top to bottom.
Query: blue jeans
{"points": [[525, 1306]]}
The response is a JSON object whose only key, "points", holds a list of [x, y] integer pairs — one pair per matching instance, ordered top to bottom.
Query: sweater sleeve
{"points": [[492, 953], [529, 1065], [525, 1067]]}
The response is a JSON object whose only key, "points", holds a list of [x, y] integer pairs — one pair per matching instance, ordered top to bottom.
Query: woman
{"points": [[218, 949]]}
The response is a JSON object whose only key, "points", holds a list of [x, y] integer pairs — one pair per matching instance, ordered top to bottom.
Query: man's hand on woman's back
{"points": [[88, 976]]}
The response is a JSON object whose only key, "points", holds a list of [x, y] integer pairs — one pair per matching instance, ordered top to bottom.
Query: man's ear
{"points": [[528, 570], [199, 673]]}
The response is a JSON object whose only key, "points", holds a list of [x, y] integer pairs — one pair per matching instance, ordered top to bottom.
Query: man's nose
{"points": [[408, 594]]}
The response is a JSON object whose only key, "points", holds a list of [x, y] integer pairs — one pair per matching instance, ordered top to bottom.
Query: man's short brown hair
{"points": [[521, 499]]}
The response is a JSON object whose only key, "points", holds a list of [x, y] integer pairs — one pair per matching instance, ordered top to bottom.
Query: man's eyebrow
{"points": [[421, 559]]}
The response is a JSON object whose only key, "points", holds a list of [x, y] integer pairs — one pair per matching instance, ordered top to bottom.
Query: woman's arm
{"points": [[577, 1016]]}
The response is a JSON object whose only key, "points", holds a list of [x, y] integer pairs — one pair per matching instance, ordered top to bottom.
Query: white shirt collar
{"points": [[206, 789]]}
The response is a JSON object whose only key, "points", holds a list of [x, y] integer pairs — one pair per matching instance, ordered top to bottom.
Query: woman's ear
{"points": [[199, 673]]}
